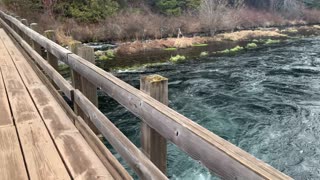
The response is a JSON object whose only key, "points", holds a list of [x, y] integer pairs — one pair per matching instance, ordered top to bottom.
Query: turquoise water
{"points": [[265, 101]]}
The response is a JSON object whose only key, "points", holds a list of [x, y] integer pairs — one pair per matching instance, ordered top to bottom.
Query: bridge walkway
{"points": [[37, 138]]}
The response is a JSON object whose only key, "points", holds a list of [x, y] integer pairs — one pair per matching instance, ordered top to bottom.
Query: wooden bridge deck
{"points": [[37, 138]]}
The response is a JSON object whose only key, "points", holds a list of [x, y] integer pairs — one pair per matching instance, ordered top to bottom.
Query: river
{"points": [[266, 101]]}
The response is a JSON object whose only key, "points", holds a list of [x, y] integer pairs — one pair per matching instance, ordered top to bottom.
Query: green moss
{"points": [[255, 41], [271, 41], [199, 45], [251, 46], [170, 49], [236, 49], [226, 51], [230, 51], [204, 53], [110, 54], [104, 58], [177, 58], [63, 67]]}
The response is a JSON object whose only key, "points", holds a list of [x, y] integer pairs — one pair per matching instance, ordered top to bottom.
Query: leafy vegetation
{"points": [[104, 20], [251, 46], [177, 58]]}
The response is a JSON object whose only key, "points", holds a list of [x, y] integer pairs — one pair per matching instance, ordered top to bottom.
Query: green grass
{"points": [[271, 41], [199, 45], [251, 46], [170, 49], [236, 49], [204, 54], [104, 58], [177, 58]]}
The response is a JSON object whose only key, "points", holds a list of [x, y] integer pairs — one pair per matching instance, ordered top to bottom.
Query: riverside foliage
{"points": [[98, 20]]}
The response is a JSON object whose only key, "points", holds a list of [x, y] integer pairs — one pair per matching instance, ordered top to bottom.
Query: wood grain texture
{"points": [[52, 60], [50, 71], [87, 88], [44, 105], [5, 113], [152, 143], [42, 158], [109, 161], [11, 164], [144, 168]]}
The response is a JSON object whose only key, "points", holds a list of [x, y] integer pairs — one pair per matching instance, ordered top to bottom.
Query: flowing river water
{"points": [[266, 101]]}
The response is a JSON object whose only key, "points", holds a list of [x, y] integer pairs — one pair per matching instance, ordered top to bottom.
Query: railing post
{"points": [[23, 35], [35, 45], [52, 60], [87, 88], [153, 144]]}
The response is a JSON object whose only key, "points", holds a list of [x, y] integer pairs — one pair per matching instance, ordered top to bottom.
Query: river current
{"points": [[266, 101]]}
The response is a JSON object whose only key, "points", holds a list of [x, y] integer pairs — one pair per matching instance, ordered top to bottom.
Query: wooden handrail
{"points": [[217, 154], [144, 168]]}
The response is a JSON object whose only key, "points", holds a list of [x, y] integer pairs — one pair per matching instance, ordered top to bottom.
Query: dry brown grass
{"points": [[249, 34]]}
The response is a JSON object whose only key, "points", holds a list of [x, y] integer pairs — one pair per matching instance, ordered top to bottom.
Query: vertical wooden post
{"points": [[23, 35], [35, 45], [52, 60], [76, 78], [87, 88], [153, 144]]}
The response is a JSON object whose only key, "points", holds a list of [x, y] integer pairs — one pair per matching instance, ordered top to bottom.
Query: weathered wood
{"points": [[24, 21], [34, 44], [58, 51], [52, 60], [50, 71], [76, 78], [87, 88], [5, 113], [192, 138], [153, 144], [71, 145], [99, 148], [41, 157], [110, 162], [11, 164], [144, 168]]}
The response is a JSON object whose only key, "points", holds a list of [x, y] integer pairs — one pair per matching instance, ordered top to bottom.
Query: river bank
{"points": [[244, 35]]}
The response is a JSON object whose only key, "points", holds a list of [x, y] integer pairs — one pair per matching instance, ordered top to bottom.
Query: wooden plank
{"points": [[58, 51], [4, 54], [50, 71], [38, 94], [20, 101], [5, 113], [61, 128], [192, 138], [152, 143], [42, 158], [109, 161], [82, 162], [11, 164], [144, 168]]}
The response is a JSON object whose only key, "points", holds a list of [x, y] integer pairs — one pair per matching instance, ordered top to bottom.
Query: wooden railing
{"points": [[218, 155]]}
